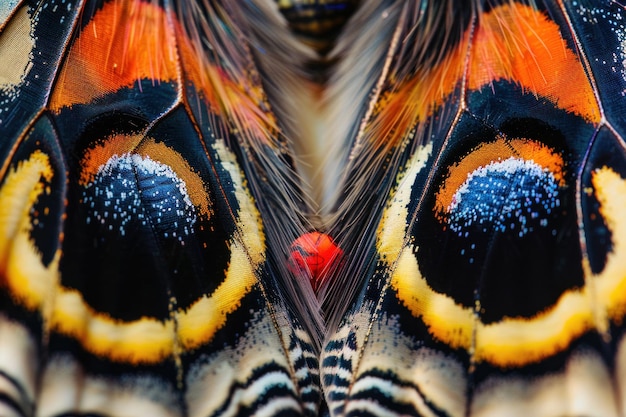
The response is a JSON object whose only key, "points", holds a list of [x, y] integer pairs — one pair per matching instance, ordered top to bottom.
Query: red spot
{"points": [[314, 254]]}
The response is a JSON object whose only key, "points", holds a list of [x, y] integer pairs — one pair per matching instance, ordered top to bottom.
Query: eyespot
{"points": [[503, 185], [500, 220]]}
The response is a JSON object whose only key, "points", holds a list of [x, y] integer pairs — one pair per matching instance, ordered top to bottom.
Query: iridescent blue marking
{"points": [[132, 188], [511, 195]]}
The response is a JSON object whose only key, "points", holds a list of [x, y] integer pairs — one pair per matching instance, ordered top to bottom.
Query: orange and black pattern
{"points": [[154, 186]]}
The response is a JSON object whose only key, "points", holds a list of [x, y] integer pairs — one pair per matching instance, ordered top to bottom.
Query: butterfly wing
{"points": [[148, 196], [136, 273], [496, 273]]}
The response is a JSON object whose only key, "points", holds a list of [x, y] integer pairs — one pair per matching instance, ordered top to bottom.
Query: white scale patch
{"points": [[595, 16], [129, 186], [505, 194]]}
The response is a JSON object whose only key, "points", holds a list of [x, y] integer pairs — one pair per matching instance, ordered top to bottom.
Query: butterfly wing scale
{"points": [[148, 197], [136, 275], [495, 286]]}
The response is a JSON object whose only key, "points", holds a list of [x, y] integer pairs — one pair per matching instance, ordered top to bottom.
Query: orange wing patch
{"points": [[512, 42], [123, 43], [521, 45], [231, 92]]}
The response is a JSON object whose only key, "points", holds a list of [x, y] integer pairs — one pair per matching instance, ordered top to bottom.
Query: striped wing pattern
{"points": [[158, 163]]}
